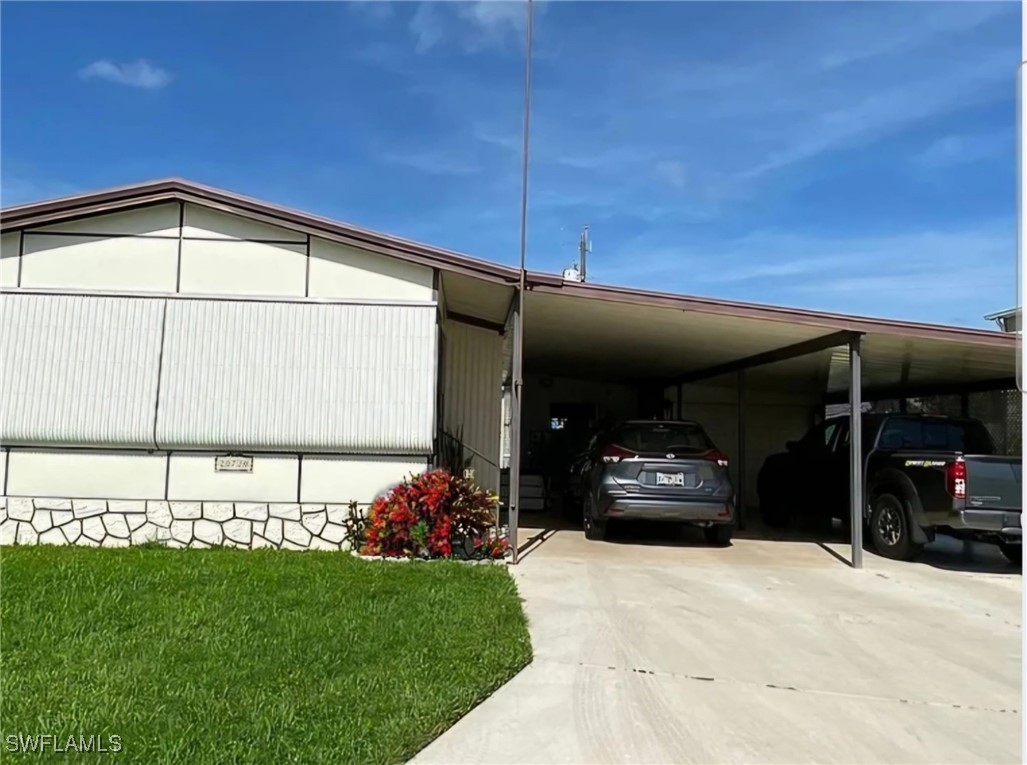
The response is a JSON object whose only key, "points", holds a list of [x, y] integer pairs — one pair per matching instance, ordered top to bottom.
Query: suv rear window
{"points": [[663, 437]]}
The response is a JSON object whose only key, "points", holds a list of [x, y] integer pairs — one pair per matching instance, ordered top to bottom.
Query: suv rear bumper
{"points": [[665, 509]]}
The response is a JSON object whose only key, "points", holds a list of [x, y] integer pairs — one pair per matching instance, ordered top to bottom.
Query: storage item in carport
{"points": [[533, 492]]}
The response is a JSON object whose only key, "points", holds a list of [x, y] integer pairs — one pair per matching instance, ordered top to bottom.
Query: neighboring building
{"points": [[1008, 320]]}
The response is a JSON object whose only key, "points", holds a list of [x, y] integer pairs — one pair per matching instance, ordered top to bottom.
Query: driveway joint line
{"points": [[778, 687]]}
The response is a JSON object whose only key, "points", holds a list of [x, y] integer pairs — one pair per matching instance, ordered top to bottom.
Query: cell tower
{"points": [[584, 248]]}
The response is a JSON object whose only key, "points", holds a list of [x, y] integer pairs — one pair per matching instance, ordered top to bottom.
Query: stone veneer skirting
{"points": [[116, 523]]}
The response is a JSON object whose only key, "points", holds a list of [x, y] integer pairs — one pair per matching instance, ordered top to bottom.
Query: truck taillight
{"points": [[614, 453], [716, 455], [955, 479]]}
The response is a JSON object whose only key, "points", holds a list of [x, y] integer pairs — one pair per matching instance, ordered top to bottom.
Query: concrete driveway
{"points": [[768, 651]]}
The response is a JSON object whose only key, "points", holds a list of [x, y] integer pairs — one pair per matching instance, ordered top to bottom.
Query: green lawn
{"points": [[202, 656]]}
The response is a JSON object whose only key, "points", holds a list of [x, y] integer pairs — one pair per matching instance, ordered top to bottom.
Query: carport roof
{"points": [[609, 331]]}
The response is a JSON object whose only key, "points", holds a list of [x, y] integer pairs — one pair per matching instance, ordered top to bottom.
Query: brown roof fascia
{"points": [[145, 194], [550, 284]]}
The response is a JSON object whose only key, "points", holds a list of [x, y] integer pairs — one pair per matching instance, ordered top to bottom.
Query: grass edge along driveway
{"points": [[250, 656]]}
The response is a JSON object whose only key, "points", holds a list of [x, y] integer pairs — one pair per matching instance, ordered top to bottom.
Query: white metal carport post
{"points": [[856, 451]]}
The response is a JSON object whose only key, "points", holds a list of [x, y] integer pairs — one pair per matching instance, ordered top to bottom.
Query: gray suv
{"points": [[658, 470]]}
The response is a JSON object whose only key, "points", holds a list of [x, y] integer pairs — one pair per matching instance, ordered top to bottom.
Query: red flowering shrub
{"points": [[432, 515]]}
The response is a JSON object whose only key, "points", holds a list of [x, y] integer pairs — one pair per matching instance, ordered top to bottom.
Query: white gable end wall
{"points": [[10, 245], [135, 251], [227, 255], [338, 271], [310, 389]]}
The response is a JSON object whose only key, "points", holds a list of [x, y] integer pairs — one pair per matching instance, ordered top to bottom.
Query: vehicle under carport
{"points": [[755, 376]]}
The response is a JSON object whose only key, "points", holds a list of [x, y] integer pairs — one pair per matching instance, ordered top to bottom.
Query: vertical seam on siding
{"points": [[181, 235], [21, 253], [306, 287], [160, 369], [7, 468], [167, 474], [299, 478]]}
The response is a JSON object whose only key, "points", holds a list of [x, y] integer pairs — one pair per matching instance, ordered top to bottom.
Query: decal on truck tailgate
{"points": [[925, 463]]}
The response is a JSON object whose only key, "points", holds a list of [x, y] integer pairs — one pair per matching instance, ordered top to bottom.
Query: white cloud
{"points": [[373, 10], [473, 26], [427, 27], [135, 74], [965, 149], [434, 162], [672, 171], [907, 272]]}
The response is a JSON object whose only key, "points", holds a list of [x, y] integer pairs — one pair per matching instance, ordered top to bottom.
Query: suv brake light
{"points": [[614, 453], [716, 455], [955, 479]]}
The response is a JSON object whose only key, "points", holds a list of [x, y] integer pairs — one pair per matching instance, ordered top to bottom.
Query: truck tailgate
{"points": [[993, 482]]}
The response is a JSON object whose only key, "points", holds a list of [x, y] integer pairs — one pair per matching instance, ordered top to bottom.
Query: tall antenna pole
{"points": [[584, 248], [518, 351]]}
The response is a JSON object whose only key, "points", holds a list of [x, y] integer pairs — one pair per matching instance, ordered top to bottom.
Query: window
{"points": [[901, 433], [937, 435], [967, 437], [663, 438], [819, 438]]}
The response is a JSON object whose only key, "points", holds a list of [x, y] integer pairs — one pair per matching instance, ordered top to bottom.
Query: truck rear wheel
{"points": [[889, 528], [1013, 552]]}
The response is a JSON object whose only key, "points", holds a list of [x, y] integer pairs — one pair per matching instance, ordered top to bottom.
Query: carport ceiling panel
{"points": [[477, 298], [643, 341], [890, 362]]}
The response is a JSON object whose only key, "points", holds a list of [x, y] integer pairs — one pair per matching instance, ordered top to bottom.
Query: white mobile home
{"points": [[182, 362]]}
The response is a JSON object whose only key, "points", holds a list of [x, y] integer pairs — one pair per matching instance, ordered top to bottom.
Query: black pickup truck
{"points": [[923, 474]]}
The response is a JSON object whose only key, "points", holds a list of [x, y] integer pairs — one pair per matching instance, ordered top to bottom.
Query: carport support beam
{"points": [[856, 451], [740, 456], [514, 482]]}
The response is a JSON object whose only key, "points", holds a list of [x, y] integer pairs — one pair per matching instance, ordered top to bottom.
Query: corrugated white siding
{"points": [[77, 370], [298, 377], [474, 396]]}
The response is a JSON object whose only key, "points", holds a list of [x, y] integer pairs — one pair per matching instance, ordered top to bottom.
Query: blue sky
{"points": [[856, 157]]}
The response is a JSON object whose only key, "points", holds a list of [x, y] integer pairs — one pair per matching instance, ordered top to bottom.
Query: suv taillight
{"points": [[614, 453], [716, 455], [955, 479]]}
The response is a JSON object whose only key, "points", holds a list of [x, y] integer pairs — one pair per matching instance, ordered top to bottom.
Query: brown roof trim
{"points": [[175, 189], [554, 285]]}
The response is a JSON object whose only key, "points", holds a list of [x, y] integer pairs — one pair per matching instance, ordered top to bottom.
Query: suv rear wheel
{"points": [[595, 528], [889, 528], [719, 535]]}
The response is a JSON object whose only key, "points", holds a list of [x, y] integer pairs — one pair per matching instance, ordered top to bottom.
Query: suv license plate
{"points": [[670, 479]]}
